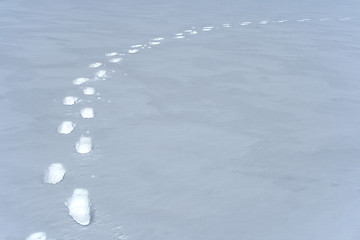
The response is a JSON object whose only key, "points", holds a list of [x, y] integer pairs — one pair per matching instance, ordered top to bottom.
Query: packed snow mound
{"points": [[66, 127], [84, 145], [55, 173], [79, 206], [37, 236]]}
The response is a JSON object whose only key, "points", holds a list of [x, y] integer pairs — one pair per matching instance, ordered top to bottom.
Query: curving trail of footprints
{"points": [[79, 204]]}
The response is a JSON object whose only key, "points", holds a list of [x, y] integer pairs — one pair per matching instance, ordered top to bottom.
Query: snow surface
{"points": [[243, 132], [55, 173]]}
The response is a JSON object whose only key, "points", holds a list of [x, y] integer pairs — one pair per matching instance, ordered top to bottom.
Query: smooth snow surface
{"points": [[87, 112], [66, 127], [83, 145], [54, 173], [79, 206], [37, 236]]}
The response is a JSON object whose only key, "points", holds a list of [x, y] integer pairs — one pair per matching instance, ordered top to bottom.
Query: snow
{"points": [[245, 23], [154, 43], [132, 51], [111, 54], [115, 60], [95, 65], [101, 73], [81, 80], [89, 91], [70, 100], [87, 112], [66, 127], [245, 132], [84, 145], [54, 173], [79, 206], [37, 236]]}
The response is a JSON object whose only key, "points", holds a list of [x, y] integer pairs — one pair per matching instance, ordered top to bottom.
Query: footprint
{"points": [[325, 19], [344, 19], [304, 20], [282, 21], [264, 22], [245, 23], [226, 25], [206, 29], [193, 32], [179, 37], [158, 39], [154, 43], [136, 46], [132, 51], [111, 54], [115, 60], [95, 65], [100, 73], [79, 81], [89, 91], [70, 100], [87, 112], [66, 127], [84, 145], [55, 173], [79, 206], [37, 236]]}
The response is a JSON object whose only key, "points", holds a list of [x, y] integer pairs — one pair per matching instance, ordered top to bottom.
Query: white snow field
{"points": [[248, 130], [55, 173], [79, 206]]}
